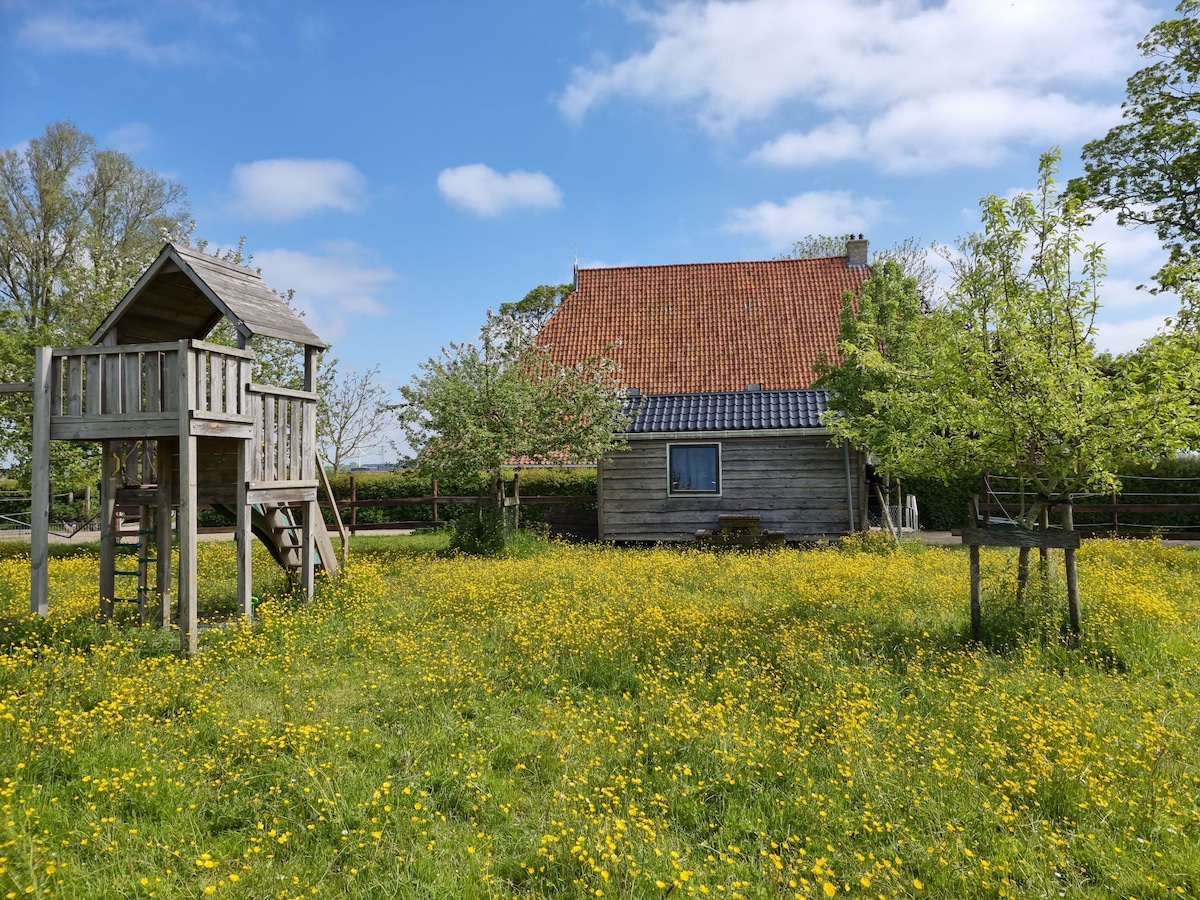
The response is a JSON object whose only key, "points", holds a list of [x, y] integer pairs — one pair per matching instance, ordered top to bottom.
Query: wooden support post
{"points": [[310, 367], [308, 451], [164, 465], [110, 479], [849, 485], [516, 499], [435, 502], [354, 503], [987, 503], [310, 509], [337, 515], [887, 515], [1116, 519], [39, 526], [1044, 552], [143, 562], [1022, 573], [245, 574], [976, 605], [1074, 611], [188, 624]]}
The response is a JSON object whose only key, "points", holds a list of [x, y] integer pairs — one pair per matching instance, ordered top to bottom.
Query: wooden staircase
{"points": [[277, 527]]}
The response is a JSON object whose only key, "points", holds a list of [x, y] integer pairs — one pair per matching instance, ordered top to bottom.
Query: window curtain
{"points": [[695, 469]]}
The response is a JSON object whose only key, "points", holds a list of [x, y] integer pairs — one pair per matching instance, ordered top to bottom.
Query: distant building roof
{"points": [[184, 294], [707, 326], [726, 411]]}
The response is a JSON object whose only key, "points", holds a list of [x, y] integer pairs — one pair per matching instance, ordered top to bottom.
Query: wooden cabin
{"points": [[183, 426], [757, 462]]}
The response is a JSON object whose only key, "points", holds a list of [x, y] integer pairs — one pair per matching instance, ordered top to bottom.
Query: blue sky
{"points": [[405, 166]]}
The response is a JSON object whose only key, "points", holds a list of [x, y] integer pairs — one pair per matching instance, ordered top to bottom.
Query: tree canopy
{"points": [[1147, 167], [77, 226], [910, 254], [1003, 376], [478, 407]]}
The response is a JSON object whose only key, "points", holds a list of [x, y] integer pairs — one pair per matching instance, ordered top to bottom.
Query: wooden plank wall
{"points": [[283, 446], [797, 484]]}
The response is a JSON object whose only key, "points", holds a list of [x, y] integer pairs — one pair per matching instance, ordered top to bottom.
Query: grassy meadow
{"points": [[581, 721]]}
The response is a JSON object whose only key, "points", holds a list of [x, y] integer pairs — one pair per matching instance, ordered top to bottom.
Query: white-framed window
{"points": [[693, 469]]}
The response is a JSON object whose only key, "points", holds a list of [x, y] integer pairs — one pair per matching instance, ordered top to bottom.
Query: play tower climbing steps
{"points": [[183, 426]]}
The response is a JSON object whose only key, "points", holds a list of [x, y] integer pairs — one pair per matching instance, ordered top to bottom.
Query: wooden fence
{"points": [[560, 512], [1172, 512]]}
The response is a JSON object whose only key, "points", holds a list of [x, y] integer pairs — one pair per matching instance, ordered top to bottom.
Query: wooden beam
{"points": [[110, 480], [166, 488], [337, 516], [39, 526], [1056, 540], [245, 573], [976, 607], [1074, 612], [188, 638]]}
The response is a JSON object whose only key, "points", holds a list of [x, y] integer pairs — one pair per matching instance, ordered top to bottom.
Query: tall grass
{"points": [[574, 721]]}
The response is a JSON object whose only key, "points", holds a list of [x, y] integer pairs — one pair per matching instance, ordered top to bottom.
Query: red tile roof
{"points": [[707, 326]]}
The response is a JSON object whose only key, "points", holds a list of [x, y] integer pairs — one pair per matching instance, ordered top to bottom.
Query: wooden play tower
{"points": [[183, 426]]}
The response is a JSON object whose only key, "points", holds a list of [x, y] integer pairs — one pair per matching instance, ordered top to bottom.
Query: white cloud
{"points": [[67, 34], [906, 85], [956, 127], [130, 138], [279, 190], [484, 191], [815, 212], [1127, 248], [341, 281], [1121, 337]]}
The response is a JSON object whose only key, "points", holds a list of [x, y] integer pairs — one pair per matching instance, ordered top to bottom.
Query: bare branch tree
{"points": [[353, 415]]}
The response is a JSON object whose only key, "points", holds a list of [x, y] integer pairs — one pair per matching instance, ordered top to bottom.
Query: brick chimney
{"points": [[856, 250]]}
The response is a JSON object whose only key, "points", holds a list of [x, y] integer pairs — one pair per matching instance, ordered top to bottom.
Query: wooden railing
{"points": [[222, 378], [136, 381], [135, 391], [283, 448]]}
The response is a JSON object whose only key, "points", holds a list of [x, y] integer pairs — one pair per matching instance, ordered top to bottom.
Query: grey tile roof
{"points": [[726, 411]]}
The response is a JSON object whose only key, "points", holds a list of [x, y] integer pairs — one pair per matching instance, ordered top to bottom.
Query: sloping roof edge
{"points": [[282, 322], [708, 411]]}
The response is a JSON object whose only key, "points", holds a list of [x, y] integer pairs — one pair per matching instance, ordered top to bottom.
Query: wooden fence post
{"points": [[435, 502], [353, 503], [976, 605], [1073, 606]]}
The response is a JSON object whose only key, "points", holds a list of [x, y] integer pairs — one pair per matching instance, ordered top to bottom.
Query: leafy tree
{"points": [[1147, 167], [77, 226], [817, 246], [910, 253], [536, 307], [880, 343], [1004, 377], [477, 407], [353, 415]]}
